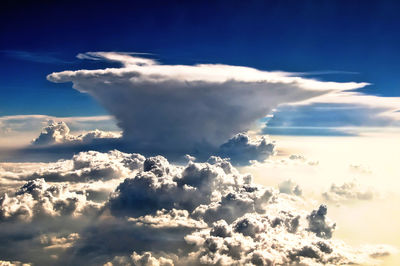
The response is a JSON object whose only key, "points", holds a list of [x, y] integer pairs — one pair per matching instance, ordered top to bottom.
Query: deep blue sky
{"points": [[40, 37]]}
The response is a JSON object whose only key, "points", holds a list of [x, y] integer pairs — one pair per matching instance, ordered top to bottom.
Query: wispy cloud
{"points": [[38, 57], [325, 72]]}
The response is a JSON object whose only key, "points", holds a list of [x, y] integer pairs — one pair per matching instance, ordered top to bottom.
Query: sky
{"points": [[331, 40], [203, 133]]}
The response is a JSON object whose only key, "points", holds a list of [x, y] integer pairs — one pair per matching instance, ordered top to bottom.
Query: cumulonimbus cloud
{"points": [[179, 109]]}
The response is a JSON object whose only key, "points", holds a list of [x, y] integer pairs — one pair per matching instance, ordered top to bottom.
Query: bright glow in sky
{"points": [[371, 160]]}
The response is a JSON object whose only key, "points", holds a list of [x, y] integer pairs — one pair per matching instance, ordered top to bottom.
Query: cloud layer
{"points": [[340, 113], [161, 214]]}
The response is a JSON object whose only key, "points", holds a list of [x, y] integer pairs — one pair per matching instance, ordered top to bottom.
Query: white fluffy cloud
{"points": [[178, 109], [25, 127], [59, 133], [40, 138], [241, 149], [83, 167], [358, 168], [92, 173], [290, 187], [348, 192], [37, 199], [164, 214], [238, 222], [145, 259], [13, 263]]}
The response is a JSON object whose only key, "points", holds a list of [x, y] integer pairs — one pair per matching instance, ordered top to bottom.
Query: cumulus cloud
{"points": [[178, 109], [26, 127], [59, 133], [39, 138], [57, 142], [241, 149], [297, 157], [301, 158], [283, 162], [83, 167], [358, 168], [93, 173], [290, 187], [190, 188], [348, 192], [37, 199], [55, 201], [165, 214], [169, 219], [238, 222], [318, 223], [257, 239], [262, 239], [52, 241], [145, 259], [13, 263]]}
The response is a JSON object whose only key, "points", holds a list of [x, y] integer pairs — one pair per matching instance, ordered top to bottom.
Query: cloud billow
{"points": [[59, 133], [57, 142], [241, 149], [348, 192], [37, 199], [163, 214]]}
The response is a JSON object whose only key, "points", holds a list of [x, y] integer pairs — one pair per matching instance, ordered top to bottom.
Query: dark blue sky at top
{"points": [[360, 40]]}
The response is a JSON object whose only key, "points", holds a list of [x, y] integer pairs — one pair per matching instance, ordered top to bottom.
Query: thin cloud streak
{"points": [[37, 57]]}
